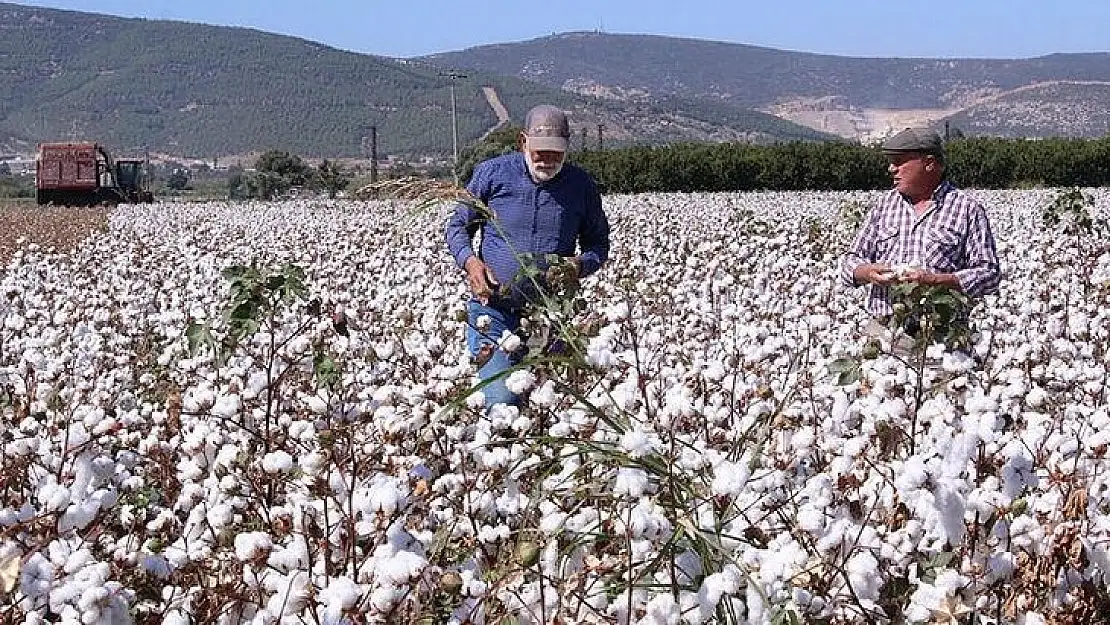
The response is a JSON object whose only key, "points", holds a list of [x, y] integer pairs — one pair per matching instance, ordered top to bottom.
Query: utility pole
{"points": [[454, 75], [600, 137], [585, 147], [373, 154]]}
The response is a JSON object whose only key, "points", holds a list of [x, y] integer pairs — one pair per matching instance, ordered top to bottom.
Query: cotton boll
{"points": [[509, 342], [519, 381], [476, 400], [227, 406], [637, 443], [277, 462], [729, 478], [631, 482], [250, 546], [862, 569], [340, 595]]}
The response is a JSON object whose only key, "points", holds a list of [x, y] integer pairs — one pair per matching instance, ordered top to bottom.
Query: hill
{"points": [[203, 91], [849, 96]]}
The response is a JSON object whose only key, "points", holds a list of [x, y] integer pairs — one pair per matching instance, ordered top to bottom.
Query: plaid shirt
{"points": [[952, 236]]}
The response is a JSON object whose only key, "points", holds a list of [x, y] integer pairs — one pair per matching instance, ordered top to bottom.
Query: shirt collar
{"points": [[942, 190]]}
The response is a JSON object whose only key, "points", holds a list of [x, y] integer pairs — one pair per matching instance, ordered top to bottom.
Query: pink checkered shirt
{"points": [[953, 236]]}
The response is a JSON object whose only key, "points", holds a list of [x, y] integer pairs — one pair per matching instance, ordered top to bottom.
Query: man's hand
{"points": [[882, 275], [928, 278], [481, 280]]}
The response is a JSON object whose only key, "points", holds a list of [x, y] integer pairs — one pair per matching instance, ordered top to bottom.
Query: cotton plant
{"points": [[699, 463]]}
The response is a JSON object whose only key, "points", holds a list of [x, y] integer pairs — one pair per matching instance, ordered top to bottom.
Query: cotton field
{"points": [[185, 444]]}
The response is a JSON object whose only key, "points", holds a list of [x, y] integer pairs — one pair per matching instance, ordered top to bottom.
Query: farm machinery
{"points": [[85, 174]]}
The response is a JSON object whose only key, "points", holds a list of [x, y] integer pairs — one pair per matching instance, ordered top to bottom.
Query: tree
{"points": [[500, 141], [290, 167], [332, 177], [178, 179]]}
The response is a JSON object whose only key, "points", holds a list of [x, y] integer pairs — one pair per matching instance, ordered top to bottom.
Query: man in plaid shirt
{"points": [[924, 230]]}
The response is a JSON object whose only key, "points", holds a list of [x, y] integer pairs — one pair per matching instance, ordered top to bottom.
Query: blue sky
{"points": [[900, 28]]}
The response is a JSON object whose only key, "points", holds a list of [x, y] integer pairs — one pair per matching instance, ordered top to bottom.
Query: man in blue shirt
{"points": [[540, 205]]}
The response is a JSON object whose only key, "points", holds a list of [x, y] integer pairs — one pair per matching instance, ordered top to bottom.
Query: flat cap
{"points": [[547, 128], [923, 140]]}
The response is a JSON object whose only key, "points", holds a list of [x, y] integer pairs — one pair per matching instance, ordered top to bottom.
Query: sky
{"points": [[887, 28]]}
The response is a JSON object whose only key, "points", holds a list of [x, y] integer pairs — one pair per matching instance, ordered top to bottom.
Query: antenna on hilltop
{"points": [[600, 25]]}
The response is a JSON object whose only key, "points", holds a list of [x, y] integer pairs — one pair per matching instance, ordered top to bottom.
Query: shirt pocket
{"points": [[886, 243], [945, 248]]}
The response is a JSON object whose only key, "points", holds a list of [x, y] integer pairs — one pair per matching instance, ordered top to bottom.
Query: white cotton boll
{"points": [[616, 312], [819, 322], [482, 323], [508, 342], [957, 362], [715, 372], [520, 381], [544, 396], [1036, 398], [476, 400], [980, 404], [316, 405], [227, 406], [76, 436], [637, 443], [277, 462], [313, 463], [729, 478], [631, 482], [385, 496], [53, 497], [951, 506], [811, 519], [1025, 532], [252, 545], [404, 566], [862, 570], [339, 595], [384, 597], [923, 602], [661, 610]]}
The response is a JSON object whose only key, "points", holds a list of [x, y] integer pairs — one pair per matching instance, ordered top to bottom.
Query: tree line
{"points": [[803, 166]]}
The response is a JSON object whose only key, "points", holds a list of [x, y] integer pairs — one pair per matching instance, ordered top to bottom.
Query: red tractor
{"points": [[85, 174]]}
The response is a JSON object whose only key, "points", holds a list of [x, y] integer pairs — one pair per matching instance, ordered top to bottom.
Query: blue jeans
{"points": [[500, 320]]}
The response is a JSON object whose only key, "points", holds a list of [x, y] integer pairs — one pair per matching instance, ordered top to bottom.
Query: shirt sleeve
{"points": [[465, 220], [594, 237], [863, 248], [982, 274]]}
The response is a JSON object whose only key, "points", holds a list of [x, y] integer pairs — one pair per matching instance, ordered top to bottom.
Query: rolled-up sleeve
{"points": [[465, 220], [594, 238], [862, 250], [982, 273]]}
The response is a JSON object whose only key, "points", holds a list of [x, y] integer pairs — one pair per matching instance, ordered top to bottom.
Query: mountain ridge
{"points": [[783, 82]]}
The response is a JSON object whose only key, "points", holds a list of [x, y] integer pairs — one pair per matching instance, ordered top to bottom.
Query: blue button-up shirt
{"points": [[530, 220]]}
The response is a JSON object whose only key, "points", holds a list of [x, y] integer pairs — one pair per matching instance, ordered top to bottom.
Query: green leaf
{"points": [[235, 271], [199, 336], [324, 369], [848, 377]]}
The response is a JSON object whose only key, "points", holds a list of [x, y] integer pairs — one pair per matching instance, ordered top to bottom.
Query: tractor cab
{"points": [[129, 175]]}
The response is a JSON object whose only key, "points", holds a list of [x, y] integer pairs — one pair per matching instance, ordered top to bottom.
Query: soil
{"points": [[50, 227]]}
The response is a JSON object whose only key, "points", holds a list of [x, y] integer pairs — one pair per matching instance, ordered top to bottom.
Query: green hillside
{"points": [[202, 91]]}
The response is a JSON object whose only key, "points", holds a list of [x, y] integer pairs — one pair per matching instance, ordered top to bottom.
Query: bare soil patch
{"points": [[23, 223]]}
